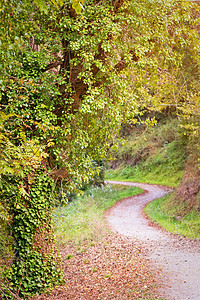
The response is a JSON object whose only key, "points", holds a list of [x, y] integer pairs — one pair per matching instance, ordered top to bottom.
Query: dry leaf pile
{"points": [[114, 268]]}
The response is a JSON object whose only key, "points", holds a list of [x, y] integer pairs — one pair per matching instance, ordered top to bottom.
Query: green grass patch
{"points": [[155, 156], [165, 166], [138, 175], [161, 212], [82, 220]]}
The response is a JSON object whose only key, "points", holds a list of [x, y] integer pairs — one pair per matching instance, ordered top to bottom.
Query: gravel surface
{"points": [[179, 258]]}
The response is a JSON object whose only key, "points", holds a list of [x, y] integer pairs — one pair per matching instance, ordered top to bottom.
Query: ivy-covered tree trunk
{"points": [[37, 265]]}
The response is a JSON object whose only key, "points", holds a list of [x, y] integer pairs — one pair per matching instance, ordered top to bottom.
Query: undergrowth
{"points": [[155, 156], [164, 167], [167, 215], [82, 220]]}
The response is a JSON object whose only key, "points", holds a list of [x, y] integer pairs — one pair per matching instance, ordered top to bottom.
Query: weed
{"points": [[68, 256], [107, 275]]}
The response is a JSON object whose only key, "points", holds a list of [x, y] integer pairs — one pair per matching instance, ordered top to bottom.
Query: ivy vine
{"points": [[37, 264]]}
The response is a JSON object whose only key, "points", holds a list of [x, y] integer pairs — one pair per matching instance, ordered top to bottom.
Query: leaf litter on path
{"points": [[113, 268]]}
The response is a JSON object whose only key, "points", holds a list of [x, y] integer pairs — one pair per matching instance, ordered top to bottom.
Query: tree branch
{"points": [[52, 65]]}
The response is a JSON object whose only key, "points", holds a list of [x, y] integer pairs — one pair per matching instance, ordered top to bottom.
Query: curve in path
{"points": [[179, 258]]}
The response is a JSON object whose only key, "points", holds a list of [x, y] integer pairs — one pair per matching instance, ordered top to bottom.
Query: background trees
{"points": [[68, 82]]}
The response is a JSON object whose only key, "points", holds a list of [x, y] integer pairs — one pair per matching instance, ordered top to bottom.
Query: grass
{"points": [[151, 156], [165, 166], [137, 175], [167, 215], [82, 220]]}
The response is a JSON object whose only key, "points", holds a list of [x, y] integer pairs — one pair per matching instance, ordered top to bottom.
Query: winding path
{"points": [[179, 258]]}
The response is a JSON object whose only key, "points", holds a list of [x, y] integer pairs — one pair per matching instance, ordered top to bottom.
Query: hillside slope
{"points": [[163, 155]]}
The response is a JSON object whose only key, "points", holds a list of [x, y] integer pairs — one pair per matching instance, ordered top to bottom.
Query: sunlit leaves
{"points": [[43, 5], [77, 5], [18, 159]]}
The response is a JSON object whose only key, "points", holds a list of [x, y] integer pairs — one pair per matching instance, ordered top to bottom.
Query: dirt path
{"points": [[178, 257]]}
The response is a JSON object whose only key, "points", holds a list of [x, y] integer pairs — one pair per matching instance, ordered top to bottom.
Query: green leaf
{"points": [[77, 5]]}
